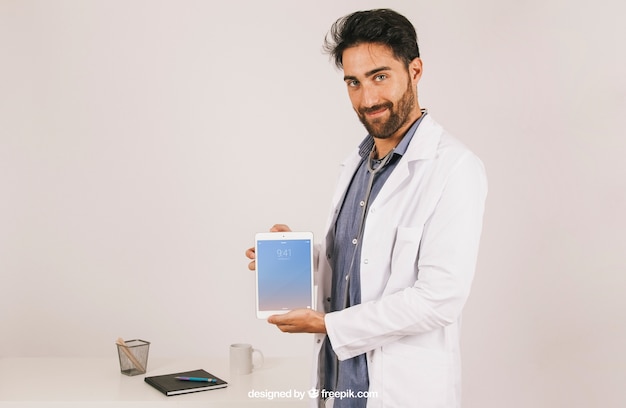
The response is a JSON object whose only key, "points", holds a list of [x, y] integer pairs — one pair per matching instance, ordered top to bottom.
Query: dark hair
{"points": [[382, 26]]}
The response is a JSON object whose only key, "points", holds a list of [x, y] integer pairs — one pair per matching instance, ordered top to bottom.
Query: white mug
{"points": [[241, 358]]}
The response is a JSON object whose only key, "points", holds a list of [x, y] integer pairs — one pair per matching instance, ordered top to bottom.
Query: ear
{"points": [[415, 70]]}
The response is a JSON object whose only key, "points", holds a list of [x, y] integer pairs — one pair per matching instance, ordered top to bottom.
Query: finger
{"points": [[280, 228], [250, 253], [279, 319], [285, 322], [285, 327]]}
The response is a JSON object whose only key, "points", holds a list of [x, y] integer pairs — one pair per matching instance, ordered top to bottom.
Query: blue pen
{"points": [[197, 379]]}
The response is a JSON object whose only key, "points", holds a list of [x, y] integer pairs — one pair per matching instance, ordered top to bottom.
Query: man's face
{"points": [[382, 91]]}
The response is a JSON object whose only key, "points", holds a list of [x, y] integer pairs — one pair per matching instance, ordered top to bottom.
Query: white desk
{"points": [[97, 382]]}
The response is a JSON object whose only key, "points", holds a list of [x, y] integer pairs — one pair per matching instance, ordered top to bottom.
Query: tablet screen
{"points": [[284, 265]]}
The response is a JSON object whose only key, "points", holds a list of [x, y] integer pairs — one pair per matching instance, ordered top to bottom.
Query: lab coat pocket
{"points": [[404, 256], [415, 376]]}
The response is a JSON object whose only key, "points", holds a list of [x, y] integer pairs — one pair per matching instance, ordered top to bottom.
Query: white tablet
{"points": [[284, 272]]}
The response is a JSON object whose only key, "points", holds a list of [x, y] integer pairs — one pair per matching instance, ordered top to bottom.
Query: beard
{"points": [[398, 115]]}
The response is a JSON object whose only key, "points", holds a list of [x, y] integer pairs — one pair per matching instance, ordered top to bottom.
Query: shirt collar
{"points": [[367, 144]]}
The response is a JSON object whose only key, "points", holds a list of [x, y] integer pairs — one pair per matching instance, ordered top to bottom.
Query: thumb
{"points": [[280, 228]]}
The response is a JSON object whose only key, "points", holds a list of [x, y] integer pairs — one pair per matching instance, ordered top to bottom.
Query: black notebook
{"points": [[169, 385]]}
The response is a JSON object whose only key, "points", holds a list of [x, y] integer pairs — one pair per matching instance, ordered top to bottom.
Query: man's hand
{"points": [[250, 254], [299, 321]]}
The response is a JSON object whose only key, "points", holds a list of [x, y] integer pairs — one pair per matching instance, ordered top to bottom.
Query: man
{"points": [[396, 267]]}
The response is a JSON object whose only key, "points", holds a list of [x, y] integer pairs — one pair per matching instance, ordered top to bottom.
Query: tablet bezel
{"points": [[282, 236]]}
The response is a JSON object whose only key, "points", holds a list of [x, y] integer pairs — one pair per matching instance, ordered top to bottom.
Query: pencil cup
{"points": [[133, 356], [241, 358]]}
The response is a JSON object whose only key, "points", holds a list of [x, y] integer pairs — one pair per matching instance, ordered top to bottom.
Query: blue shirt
{"points": [[344, 257]]}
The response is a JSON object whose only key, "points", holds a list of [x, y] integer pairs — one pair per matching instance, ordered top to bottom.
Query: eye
{"points": [[380, 77], [352, 83]]}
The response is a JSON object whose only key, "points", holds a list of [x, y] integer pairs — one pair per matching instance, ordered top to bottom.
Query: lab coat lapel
{"points": [[423, 146], [347, 169]]}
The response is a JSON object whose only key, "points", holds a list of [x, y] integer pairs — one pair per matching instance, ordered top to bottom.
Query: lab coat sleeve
{"points": [[445, 269]]}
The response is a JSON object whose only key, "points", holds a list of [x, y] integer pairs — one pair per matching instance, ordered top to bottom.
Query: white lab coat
{"points": [[417, 263]]}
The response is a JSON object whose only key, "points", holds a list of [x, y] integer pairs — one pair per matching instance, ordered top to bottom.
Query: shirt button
{"points": [[362, 203], [354, 241], [366, 261], [346, 278]]}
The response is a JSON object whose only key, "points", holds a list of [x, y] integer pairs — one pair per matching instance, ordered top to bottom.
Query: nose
{"points": [[369, 95]]}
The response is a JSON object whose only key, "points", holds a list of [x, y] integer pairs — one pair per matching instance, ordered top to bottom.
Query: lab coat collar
{"points": [[424, 144]]}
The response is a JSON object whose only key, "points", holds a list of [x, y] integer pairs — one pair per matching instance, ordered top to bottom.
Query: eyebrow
{"points": [[368, 73]]}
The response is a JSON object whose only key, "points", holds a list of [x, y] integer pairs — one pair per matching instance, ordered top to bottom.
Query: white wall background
{"points": [[143, 143]]}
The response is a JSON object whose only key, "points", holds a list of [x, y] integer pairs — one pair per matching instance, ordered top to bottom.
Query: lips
{"points": [[376, 111]]}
